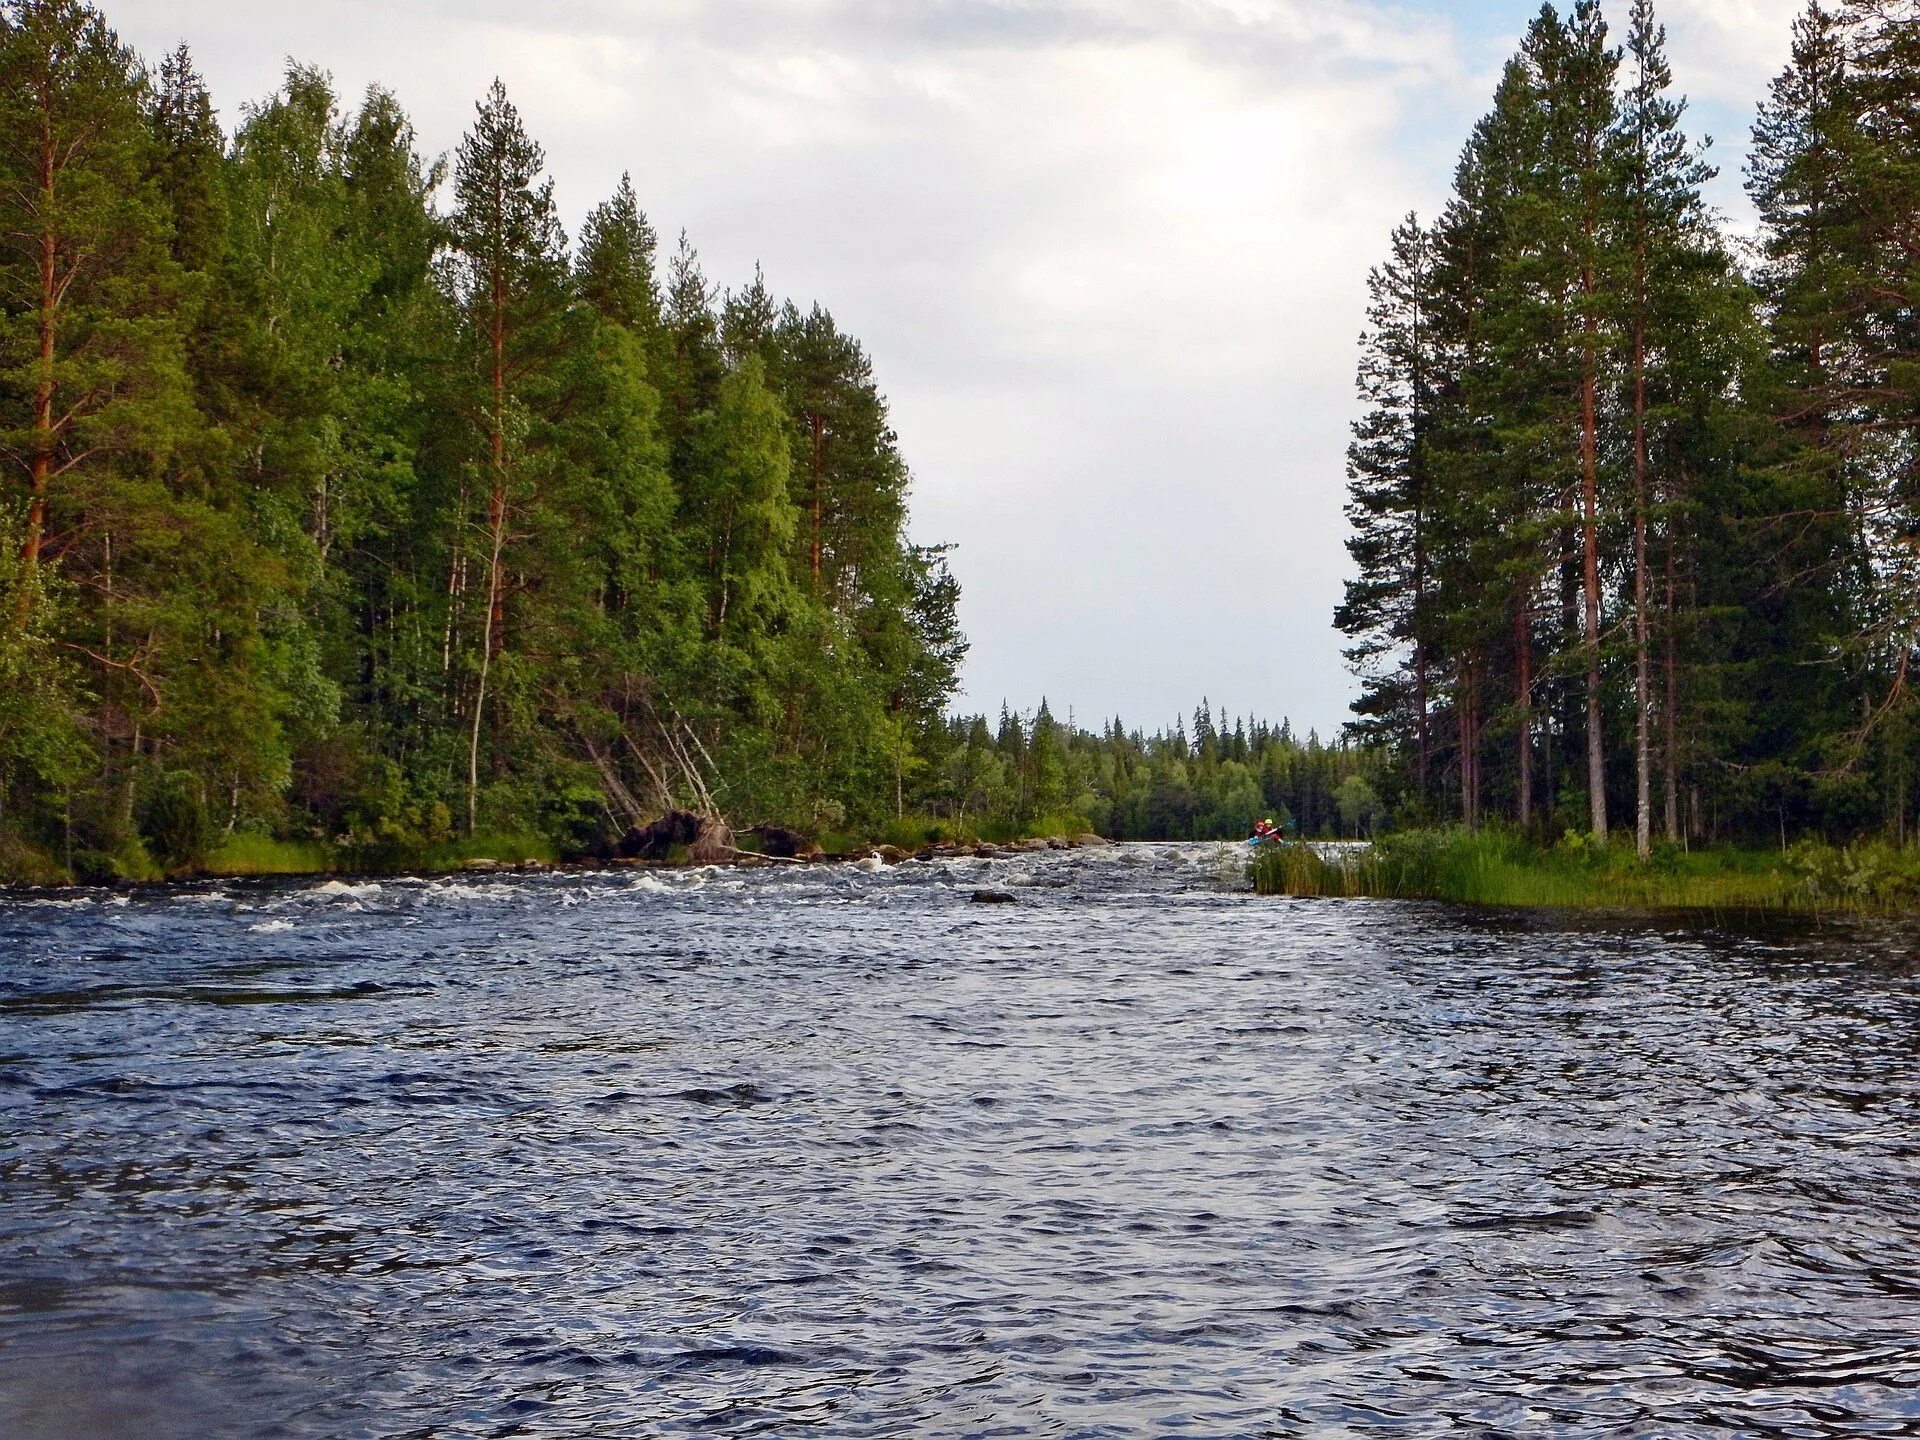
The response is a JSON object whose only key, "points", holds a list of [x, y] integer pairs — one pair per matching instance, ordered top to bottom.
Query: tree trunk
{"points": [[47, 323], [818, 508], [496, 525], [496, 530], [1590, 574], [1466, 705], [1523, 710], [1670, 719], [1423, 725], [1642, 738]]}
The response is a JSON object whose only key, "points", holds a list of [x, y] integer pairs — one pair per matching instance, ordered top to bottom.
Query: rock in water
{"points": [[993, 897]]}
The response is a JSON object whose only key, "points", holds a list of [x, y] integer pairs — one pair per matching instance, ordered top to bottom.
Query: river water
{"points": [[730, 1153]]}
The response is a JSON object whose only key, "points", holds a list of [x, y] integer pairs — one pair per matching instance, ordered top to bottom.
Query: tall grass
{"points": [[916, 832], [244, 854], [261, 855], [1501, 868]]}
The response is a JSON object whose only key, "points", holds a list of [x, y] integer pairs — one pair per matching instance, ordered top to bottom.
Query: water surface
{"points": [[775, 1152]]}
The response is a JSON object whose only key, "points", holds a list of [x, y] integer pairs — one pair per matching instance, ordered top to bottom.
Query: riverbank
{"points": [[253, 856], [1505, 869]]}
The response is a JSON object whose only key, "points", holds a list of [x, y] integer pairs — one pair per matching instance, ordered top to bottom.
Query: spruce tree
{"points": [[616, 264], [1386, 609]]}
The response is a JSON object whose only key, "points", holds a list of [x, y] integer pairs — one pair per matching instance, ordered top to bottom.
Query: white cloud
{"points": [[1732, 48]]}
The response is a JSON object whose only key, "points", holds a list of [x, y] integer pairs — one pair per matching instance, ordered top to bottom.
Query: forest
{"points": [[351, 499], [1635, 499], [357, 515], [1036, 775]]}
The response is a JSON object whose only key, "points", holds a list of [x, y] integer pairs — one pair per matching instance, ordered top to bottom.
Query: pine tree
{"points": [[1581, 98], [1800, 180], [1669, 256], [514, 285], [749, 325], [1884, 335], [89, 336], [92, 395], [389, 557], [1810, 565]]}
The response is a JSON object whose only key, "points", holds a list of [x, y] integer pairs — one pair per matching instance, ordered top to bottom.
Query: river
{"points": [[730, 1153]]}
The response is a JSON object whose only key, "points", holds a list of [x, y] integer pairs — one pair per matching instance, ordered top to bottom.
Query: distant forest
{"points": [[1636, 503], [1208, 783]]}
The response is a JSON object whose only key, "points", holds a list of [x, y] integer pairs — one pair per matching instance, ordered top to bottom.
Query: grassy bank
{"points": [[916, 832], [248, 854], [254, 855], [1501, 868]]}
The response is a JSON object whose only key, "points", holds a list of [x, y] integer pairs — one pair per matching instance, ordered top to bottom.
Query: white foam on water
{"points": [[342, 890], [457, 890], [271, 927]]}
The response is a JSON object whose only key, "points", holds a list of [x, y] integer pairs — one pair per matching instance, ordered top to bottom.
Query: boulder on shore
{"points": [[705, 838], [782, 843]]}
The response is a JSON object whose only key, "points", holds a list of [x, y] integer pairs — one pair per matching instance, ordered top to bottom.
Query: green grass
{"points": [[1045, 827], [916, 832], [263, 855], [444, 855], [24, 864], [1504, 869]]}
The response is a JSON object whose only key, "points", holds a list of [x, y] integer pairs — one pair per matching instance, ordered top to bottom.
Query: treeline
{"points": [[351, 498], [1635, 505], [1034, 773]]}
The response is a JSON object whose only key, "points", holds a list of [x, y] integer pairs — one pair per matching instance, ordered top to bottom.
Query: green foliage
{"points": [[340, 524], [1634, 529], [1038, 776], [175, 825], [249, 854], [1501, 867]]}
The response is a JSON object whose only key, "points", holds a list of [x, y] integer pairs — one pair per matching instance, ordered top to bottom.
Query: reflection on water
{"points": [[740, 1153]]}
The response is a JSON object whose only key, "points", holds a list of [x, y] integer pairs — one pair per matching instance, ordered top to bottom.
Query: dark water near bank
{"points": [[762, 1153]]}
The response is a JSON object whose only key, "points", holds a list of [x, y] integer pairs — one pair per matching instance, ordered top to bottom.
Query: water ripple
{"points": [[727, 1153]]}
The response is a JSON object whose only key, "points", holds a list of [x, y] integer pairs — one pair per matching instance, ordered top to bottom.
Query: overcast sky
{"points": [[1109, 257]]}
